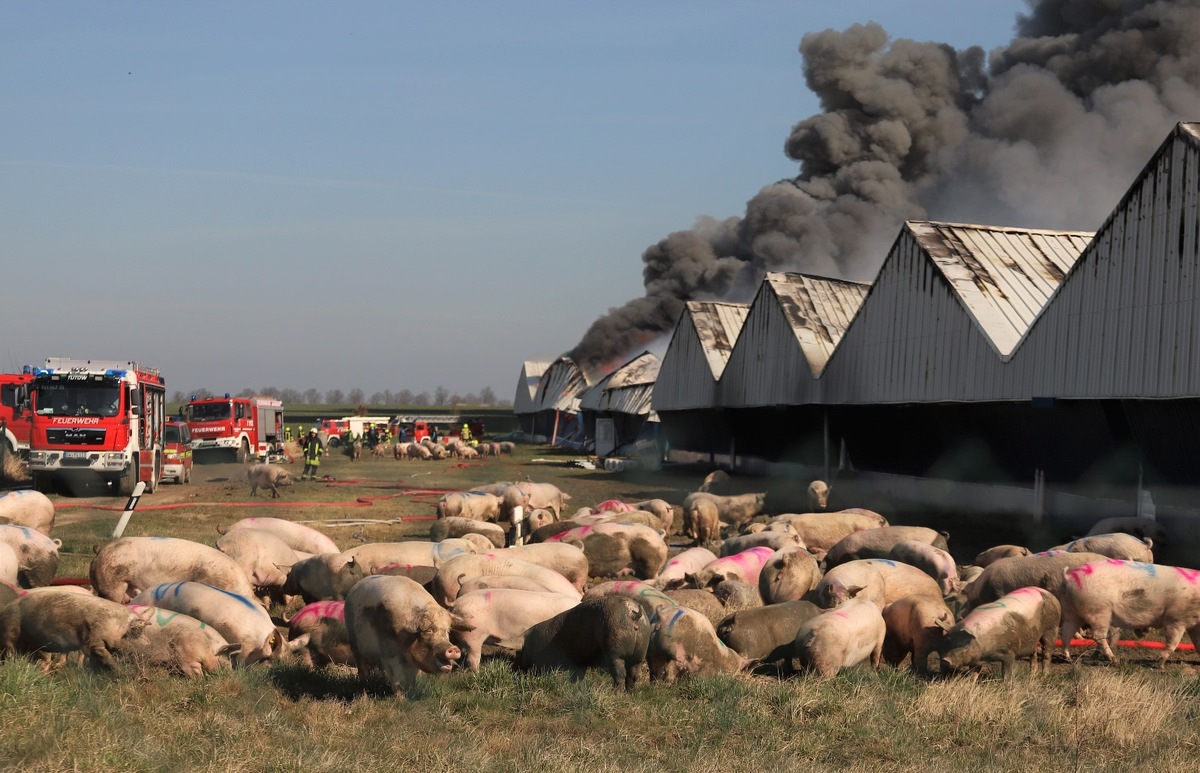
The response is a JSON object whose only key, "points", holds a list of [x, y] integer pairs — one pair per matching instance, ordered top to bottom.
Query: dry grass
{"points": [[288, 717]]}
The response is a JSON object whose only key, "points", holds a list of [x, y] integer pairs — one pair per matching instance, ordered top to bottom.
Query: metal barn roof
{"points": [[1002, 276], [793, 327], [696, 356], [527, 384], [560, 387], [628, 389]]}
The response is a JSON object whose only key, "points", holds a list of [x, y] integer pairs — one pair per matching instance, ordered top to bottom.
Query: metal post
{"points": [[129, 507]]}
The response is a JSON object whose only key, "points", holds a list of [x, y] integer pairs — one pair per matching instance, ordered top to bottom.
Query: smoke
{"points": [[1046, 132]]}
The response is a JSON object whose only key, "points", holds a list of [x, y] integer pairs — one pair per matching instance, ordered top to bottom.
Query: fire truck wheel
{"points": [[334, 442], [243, 453], [127, 481]]}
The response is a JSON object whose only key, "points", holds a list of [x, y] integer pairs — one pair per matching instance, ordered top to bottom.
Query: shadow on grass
{"points": [[298, 681]]}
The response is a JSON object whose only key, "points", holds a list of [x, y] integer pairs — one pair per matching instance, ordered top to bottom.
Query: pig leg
{"points": [[1070, 627], [1172, 634], [471, 643], [98, 655], [618, 672]]}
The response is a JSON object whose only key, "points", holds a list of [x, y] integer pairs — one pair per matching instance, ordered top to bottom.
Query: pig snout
{"points": [[449, 656]]}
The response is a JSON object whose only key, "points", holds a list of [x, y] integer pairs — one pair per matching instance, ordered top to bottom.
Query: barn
{"points": [[527, 385], [556, 401], [616, 411]]}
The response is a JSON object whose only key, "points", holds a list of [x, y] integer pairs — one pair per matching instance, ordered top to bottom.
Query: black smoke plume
{"points": [[1046, 132]]}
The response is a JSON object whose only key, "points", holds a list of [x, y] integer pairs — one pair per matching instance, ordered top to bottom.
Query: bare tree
{"points": [[201, 393], [440, 395], [178, 396], [289, 396], [312, 396], [356, 396], [487, 396], [334, 397], [405, 397], [421, 400]]}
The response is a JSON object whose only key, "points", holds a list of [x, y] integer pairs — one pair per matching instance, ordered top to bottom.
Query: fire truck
{"points": [[15, 416], [96, 417], [245, 427], [335, 428]]}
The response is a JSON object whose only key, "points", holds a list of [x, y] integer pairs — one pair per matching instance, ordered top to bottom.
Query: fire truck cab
{"points": [[15, 414], [96, 417], [249, 428]]}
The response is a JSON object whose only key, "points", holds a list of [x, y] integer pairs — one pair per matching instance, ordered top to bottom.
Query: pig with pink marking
{"points": [[690, 561], [743, 567], [1107, 595], [1014, 626], [317, 633]]}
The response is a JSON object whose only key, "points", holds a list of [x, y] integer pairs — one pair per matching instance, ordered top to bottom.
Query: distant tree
{"points": [[269, 392], [200, 394], [440, 395], [178, 396], [289, 396], [312, 396], [356, 396], [487, 396], [334, 397], [405, 397], [377, 398], [470, 398], [454, 399], [421, 400], [505, 403]]}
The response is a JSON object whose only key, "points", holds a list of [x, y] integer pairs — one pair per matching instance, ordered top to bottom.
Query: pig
{"points": [[507, 447], [354, 450], [400, 450], [419, 452], [467, 452], [268, 476], [716, 482], [818, 495], [541, 496], [473, 505], [613, 506], [26, 507], [661, 508], [730, 509], [640, 517], [455, 526], [1142, 528], [821, 531], [545, 532], [297, 536], [775, 540], [878, 543], [1124, 547], [618, 549], [37, 554], [994, 554], [374, 555], [264, 557], [568, 560], [688, 562], [935, 562], [10, 565], [745, 566], [125, 567], [788, 575], [1006, 575], [450, 576], [320, 578], [879, 580], [501, 581], [8, 592], [1107, 594], [735, 595], [650, 598], [702, 601], [233, 615], [501, 615], [56, 621], [396, 626], [915, 626], [1011, 627], [320, 631], [610, 631], [766, 634], [850, 634], [178, 642], [684, 642]]}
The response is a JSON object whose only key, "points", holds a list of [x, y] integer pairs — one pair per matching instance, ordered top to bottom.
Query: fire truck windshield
{"points": [[80, 399], [209, 411]]}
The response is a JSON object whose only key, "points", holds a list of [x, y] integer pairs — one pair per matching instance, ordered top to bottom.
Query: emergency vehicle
{"points": [[14, 410], [97, 417], [246, 427], [335, 428], [417, 428]]}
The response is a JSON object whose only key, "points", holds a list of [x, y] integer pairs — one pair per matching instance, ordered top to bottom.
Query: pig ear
{"points": [[852, 591], [944, 623], [458, 624], [299, 643], [230, 649]]}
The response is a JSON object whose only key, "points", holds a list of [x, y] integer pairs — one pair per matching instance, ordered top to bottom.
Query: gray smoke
{"points": [[1046, 132]]}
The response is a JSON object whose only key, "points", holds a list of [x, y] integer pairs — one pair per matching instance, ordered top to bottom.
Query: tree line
{"points": [[405, 397]]}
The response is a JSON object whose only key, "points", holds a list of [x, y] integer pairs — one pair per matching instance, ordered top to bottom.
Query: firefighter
{"points": [[287, 434], [465, 435], [312, 456]]}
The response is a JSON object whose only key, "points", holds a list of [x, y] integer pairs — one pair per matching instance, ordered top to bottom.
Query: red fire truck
{"points": [[14, 410], [96, 417], [246, 427]]}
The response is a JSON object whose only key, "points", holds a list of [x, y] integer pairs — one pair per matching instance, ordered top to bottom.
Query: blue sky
{"points": [[381, 195]]}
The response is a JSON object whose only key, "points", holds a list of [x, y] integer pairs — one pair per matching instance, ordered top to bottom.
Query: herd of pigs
{"points": [[813, 592]]}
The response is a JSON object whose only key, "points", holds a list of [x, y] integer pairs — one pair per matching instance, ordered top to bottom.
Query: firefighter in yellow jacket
{"points": [[312, 456]]}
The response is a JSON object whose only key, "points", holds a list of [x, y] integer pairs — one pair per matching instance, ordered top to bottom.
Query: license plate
{"points": [[75, 455]]}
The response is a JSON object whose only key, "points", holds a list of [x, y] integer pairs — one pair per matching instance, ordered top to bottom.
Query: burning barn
{"points": [[616, 411]]}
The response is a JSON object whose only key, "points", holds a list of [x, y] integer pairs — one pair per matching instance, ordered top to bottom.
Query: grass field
{"points": [[289, 717]]}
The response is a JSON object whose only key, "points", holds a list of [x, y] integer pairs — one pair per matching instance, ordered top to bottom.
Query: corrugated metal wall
{"points": [[697, 355]]}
